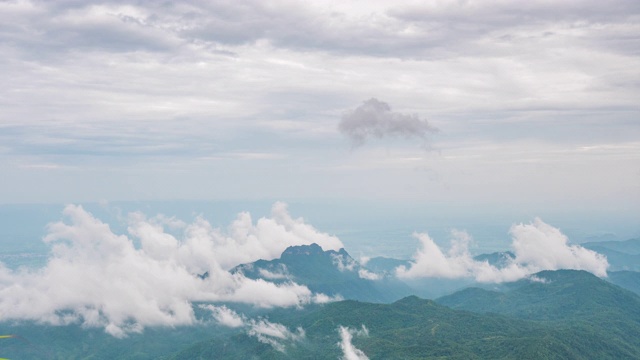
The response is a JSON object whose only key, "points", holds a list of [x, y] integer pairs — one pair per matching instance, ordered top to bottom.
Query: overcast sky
{"points": [[488, 102]]}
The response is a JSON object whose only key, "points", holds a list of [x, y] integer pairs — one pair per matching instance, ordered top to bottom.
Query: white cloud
{"points": [[243, 241], [537, 246], [540, 246], [431, 261], [343, 263], [270, 275], [368, 275], [99, 278], [225, 316], [265, 331], [273, 333], [350, 352]]}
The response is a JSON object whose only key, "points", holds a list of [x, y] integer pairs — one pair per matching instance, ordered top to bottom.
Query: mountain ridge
{"points": [[333, 273]]}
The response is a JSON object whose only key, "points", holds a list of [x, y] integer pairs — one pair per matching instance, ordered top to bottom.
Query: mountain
{"points": [[631, 246], [622, 255], [497, 259], [618, 260], [385, 265], [333, 273], [629, 280], [431, 287], [551, 295], [561, 314], [574, 315], [411, 328], [36, 341]]}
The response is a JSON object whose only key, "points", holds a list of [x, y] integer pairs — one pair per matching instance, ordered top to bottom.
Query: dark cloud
{"points": [[374, 118]]}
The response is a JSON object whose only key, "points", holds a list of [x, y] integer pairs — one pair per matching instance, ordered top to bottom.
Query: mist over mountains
{"points": [[263, 288], [560, 314]]}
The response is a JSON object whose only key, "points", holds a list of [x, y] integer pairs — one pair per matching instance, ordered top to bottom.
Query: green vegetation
{"points": [[559, 315], [567, 315]]}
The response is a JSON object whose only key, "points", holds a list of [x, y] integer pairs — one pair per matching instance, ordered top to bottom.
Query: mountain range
{"points": [[562, 314]]}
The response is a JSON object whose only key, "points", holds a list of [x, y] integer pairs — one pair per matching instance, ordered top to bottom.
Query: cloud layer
{"points": [[132, 96], [374, 118], [537, 246], [100, 279]]}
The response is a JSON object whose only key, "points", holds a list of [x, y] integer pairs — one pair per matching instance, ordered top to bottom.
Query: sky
{"points": [[480, 104]]}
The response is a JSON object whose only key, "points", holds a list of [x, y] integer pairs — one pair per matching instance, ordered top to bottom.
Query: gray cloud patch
{"points": [[374, 118]]}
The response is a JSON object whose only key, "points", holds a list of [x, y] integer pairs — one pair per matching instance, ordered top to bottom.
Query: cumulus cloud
{"points": [[374, 118], [243, 242], [536, 246], [541, 246], [98, 278], [350, 352]]}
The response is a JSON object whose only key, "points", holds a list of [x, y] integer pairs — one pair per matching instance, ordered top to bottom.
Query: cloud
{"points": [[374, 118], [243, 242], [537, 246], [541, 246], [343, 262], [346, 263], [282, 273], [368, 275], [100, 279], [225, 316], [265, 331], [273, 333], [350, 352]]}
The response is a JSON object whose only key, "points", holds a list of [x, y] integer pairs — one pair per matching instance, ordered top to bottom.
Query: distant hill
{"points": [[631, 246], [622, 255], [497, 259], [618, 260], [385, 265], [334, 273], [629, 280], [432, 287], [551, 295]]}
